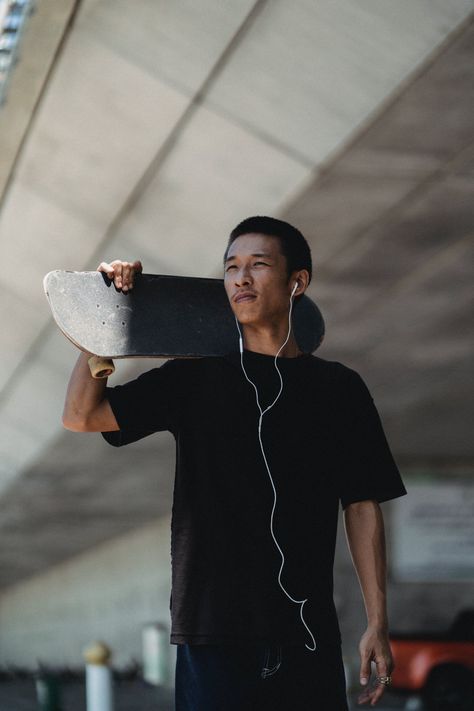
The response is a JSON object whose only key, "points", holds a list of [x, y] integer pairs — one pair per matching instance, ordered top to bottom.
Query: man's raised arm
{"points": [[86, 408]]}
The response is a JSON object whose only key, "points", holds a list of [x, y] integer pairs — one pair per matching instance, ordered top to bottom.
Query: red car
{"points": [[438, 666]]}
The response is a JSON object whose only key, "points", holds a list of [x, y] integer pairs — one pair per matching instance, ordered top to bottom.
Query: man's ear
{"points": [[302, 278]]}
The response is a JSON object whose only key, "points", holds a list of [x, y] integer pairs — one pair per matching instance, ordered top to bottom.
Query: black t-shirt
{"points": [[324, 443]]}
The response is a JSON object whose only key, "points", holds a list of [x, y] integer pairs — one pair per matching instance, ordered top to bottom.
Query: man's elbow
{"points": [[74, 423], [359, 507]]}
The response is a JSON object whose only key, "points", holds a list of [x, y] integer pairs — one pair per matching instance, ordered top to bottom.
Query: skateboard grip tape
{"points": [[101, 367]]}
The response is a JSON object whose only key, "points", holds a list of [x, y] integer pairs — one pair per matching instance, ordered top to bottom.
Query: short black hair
{"points": [[292, 243]]}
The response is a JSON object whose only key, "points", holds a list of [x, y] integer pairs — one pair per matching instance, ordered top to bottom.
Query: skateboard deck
{"points": [[162, 316]]}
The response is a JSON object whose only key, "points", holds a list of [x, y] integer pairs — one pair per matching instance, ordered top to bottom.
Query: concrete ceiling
{"points": [[157, 127]]}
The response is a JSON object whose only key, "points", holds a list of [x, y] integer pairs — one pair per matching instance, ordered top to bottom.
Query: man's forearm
{"points": [[84, 393], [366, 539]]}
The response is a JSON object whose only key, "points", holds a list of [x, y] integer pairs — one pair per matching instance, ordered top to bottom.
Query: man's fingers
{"points": [[106, 268], [118, 268], [135, 268], [121, 272], [126, 276], [374, 648], [364, 669], [376, 690], [371, 694], [376, 694]]}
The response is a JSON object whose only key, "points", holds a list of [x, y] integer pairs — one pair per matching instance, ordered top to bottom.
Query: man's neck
{"points": [[269, 342]]}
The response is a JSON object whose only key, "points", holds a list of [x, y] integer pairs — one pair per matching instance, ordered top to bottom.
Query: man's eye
{"points": [[264, 263], [231, 266]]}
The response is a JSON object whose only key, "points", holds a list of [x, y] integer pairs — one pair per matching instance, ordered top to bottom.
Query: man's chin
{"points": [[243, 309], [246, 316]]}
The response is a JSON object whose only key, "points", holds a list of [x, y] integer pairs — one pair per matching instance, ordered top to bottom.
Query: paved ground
{"points": [[20, 695], [129, 696], [390, 702]]}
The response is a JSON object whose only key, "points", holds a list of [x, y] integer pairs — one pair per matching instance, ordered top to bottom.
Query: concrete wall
{"points": [[108, 593]]}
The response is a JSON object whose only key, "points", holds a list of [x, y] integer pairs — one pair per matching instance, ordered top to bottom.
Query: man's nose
{"points": [[243, 276]]}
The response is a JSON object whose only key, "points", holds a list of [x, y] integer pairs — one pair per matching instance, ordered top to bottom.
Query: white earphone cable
{"points": [[262, 413]]}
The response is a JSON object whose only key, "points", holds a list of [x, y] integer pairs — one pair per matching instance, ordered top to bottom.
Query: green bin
{"points": [[48, 692]]}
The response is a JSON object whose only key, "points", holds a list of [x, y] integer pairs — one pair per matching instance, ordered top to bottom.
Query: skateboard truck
{"points": [[101, 367]]}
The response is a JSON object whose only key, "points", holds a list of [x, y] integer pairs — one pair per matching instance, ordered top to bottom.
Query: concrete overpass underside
{"points": [[157, 127]]}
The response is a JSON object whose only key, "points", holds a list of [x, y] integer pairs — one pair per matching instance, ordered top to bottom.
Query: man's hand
{"points": [[122, 273], [374, 647]]}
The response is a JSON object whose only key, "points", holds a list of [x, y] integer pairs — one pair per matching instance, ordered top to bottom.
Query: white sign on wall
{"points": [[433, 532]]}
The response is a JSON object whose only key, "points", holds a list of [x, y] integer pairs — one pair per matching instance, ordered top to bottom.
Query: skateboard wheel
{"points": [[101, 367]]}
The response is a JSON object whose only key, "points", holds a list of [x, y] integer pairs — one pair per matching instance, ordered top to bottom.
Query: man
{"points": [[267, 447]]}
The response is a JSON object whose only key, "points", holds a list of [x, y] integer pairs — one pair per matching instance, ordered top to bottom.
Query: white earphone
{"points": [[262, 412]]}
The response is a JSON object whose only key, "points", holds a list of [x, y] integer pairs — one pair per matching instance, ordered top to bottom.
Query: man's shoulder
{"points": [[185, 363], [193, 363], [190, 368], [335, 368], [173, 369]]}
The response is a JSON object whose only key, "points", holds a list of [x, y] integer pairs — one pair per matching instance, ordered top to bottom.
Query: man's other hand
{"points": [[122, 273], [374, 647]]}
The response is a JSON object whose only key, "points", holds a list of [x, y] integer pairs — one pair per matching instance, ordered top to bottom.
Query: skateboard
{"points": [[162, 316]]}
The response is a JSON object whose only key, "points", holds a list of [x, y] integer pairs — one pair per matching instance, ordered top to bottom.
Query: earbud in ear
{"points": [[294, 288]]}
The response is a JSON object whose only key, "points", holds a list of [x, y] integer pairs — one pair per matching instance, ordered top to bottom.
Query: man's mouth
{"points": [[244, 296]]}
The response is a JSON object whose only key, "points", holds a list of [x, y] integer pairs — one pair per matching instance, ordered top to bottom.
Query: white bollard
{"points": [[156, 654], [99, 691]]}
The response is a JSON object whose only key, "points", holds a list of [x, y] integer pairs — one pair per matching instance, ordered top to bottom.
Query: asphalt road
{"points": [[20, 695], [390, 702]]}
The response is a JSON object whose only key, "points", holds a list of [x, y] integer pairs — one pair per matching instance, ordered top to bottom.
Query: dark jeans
{"points": [[259, 677]]}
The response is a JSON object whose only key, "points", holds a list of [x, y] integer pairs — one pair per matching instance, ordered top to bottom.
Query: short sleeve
{"points": [[148, 404], [367, 467]]}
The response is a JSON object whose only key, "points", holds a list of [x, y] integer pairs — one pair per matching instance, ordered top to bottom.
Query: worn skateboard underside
{"points": [[163, 316]]}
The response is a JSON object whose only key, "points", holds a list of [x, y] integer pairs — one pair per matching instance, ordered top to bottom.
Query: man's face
{"points": [[255, 280]]}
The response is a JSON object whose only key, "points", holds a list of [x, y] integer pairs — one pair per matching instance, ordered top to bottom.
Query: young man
{"points": [[264, 456]]}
